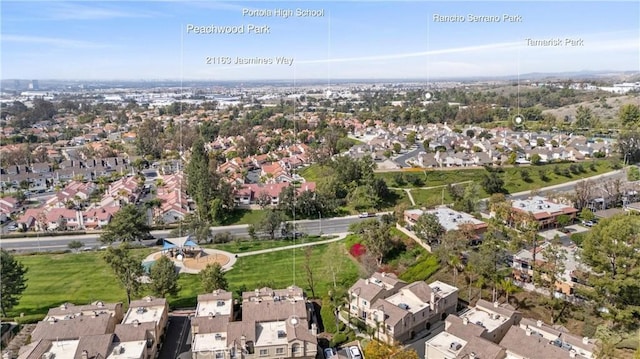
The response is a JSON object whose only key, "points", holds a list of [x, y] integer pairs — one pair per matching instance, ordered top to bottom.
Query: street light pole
{"points": [[320, 219]]}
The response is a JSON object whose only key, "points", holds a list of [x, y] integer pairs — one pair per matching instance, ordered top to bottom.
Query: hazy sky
{"points": [[354, 39]]}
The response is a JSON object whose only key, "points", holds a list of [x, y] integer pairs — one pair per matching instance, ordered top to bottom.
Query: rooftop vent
{"points": [[522, 205], [436, 289], [276, 298], [220, 303], [100, 304], [63, 306], [403, 306], [141, 310], [480, 323], [282, 334], [218, 336], [455, 346], [118, 350], [48, 355]]}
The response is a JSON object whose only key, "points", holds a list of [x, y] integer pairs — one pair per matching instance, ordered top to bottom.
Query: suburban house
{"points": [[254, 194], [543, 210]]}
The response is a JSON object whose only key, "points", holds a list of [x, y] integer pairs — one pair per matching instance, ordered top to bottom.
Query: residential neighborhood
{"points": [[319, 180]]}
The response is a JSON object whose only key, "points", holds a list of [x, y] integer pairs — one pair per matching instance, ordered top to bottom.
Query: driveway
{"points": [[412, 152], [177, 337]]}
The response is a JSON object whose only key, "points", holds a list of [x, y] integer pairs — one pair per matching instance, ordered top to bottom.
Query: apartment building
{"points": [[543, 210], [366, 291], [398, 311], [147, 315], [274, 324], [499, 332], [535, 339]]}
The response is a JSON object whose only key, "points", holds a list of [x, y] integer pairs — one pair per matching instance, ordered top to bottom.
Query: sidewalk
{"points": [[340, 237]]}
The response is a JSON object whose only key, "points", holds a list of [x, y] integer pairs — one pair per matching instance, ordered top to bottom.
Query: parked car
{"points": [[366, 214], [588, 223], [354, 352], [330, 353]]}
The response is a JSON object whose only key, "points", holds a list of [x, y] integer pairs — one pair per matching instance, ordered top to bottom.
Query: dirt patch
{"points": [[202, 262]]}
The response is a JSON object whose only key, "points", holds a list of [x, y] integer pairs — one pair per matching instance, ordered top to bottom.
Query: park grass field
{"points": [[84, 277]]}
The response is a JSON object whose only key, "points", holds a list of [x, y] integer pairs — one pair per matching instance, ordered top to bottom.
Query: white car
{"points": [[330, 353], [354, 353]]}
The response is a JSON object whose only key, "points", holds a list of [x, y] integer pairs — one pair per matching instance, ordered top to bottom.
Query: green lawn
{"points": [[313, 173], [512, 176], [430, 197], [245, 216], [248, 246], [82, 278], [54, 279]]}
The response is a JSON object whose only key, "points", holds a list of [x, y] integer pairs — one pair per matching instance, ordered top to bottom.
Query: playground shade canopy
{"points": [[180, 242]]}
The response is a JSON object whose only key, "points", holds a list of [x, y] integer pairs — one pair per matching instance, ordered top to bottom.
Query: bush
{"points": [[223, 237], [578, 238], [357, 250], [422, 270], [327, 316], [338, 339]]}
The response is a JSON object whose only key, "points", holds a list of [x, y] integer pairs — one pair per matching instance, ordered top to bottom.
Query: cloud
{"points": [[52, 41], [464, 49]]}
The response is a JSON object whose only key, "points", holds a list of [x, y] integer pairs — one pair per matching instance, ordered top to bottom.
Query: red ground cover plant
{"points": [[357, 250]]}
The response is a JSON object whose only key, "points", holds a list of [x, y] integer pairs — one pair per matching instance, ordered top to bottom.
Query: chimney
{"points": [[366, 281], [432, 302], [496, 304], [465, 320], [539, 323], [314, 329], [528, 331], [585, 340], [243, 341], [572, 353], [85, 354], [472, 355]]}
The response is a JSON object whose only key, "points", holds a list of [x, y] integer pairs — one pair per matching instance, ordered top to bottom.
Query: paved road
{"points": [[402, 159], [312, 227], [176, 338]]}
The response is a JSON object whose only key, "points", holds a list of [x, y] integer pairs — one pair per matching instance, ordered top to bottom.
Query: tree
{"points": [[629, 115], [584, 116], [411, 138], [397, 147], [535, 159], [492, 183], [199, 184], [583, 193], [586, 214], [563, 220], [271, 223], [128, 224], [195, 227], [428, 228], [376, 239], [75, 245], [611, 248], [127, 269], [308, 269], [552, 270], [213, 277], [164, 278], [12, 282], [376, 349]]}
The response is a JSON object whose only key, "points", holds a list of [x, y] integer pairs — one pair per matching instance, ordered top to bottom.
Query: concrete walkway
{"points": [[413, 202], [340, 236]]}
